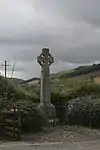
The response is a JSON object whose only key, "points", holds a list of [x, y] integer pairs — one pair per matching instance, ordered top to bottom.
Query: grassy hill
{"points": [[83, 71], [77, 76], [69, 78], [16, 80]]}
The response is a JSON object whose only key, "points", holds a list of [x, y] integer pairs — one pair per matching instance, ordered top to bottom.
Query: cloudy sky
{"points": [[70, 28]]}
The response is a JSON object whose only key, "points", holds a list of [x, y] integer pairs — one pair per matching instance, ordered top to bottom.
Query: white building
{"points": [[32, 82]]}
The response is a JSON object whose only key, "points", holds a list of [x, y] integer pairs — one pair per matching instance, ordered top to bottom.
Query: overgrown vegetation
{"points": [[88, 96], [82, 101], [85, 111], [32, 117]]}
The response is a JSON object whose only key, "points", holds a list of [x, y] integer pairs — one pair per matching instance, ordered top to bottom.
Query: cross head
{"points": [[45, 57]]}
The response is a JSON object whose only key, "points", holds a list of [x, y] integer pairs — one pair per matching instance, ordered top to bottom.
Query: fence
{"points": [[62, 113], [10, 124]]}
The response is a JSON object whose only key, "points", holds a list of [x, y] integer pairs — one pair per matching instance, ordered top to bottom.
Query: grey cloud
{"points": [[77, 10], [90, 12], [69, 28]]}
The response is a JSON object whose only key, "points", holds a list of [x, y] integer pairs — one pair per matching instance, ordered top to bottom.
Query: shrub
{"points": [[83, 90], [81, 96], [84, 111], [33, 118]]}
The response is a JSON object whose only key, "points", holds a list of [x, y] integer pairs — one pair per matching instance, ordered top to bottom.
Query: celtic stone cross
{"points": [[45, 60]]}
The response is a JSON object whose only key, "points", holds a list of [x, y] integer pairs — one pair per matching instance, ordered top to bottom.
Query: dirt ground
{"points": [[63, 134]]}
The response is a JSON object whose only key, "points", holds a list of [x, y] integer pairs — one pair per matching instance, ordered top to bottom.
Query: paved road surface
{"points": [[86, 145]]}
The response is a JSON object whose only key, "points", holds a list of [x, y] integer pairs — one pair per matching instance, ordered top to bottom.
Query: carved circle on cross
{"points": [[45, 55]]}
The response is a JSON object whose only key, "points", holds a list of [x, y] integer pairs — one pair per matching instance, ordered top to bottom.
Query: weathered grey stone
{"points": [[45, 60], [48, 109]]}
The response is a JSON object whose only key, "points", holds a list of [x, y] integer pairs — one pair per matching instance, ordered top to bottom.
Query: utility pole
{"points": [[5, 66]]}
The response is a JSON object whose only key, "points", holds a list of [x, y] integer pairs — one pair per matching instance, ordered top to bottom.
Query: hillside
{"points": [[83, 71], [80, 73], [58, 74], [77, 76], [16, 80]]}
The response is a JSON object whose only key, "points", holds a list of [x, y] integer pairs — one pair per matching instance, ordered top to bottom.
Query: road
{"points": [[84, 145]]}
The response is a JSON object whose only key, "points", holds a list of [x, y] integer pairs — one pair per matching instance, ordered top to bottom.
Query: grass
{"points": [[65, 85]]}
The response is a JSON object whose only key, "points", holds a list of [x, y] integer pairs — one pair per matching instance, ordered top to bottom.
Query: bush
{"points": [[83, 90], [81, 100], [84, 111], [33, 118]]}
